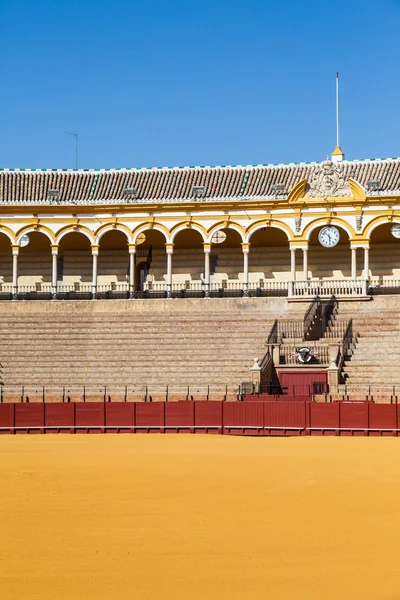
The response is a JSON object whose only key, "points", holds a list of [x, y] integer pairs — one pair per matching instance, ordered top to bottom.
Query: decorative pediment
{"points": [[328, 181]]}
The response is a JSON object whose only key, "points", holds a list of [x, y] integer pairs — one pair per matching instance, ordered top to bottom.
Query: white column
{"points": [[169, 249], [245, 249], [15, 251], [207, 252], [54, 253], [95, 253], [132, 253], [366, 262], [305, 263], [353, 263], [293, 264]]}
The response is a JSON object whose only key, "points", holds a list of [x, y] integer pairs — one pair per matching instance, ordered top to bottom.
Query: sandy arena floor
{"points": [[199, 517]]}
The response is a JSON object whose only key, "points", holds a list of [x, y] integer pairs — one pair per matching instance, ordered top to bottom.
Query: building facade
{"points": [[299, 230]]}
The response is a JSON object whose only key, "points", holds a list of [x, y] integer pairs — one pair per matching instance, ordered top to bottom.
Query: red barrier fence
{"points": [[238, 418]]}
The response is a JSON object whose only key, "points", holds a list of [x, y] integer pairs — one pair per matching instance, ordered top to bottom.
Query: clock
{"points": [[395, 230], [329, 236]]}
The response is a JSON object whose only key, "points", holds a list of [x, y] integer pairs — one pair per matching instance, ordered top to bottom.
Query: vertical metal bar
{"points": [[208, 392], [84, 393], [126, 393], [43, 394], [63, 394], [166, 394]]}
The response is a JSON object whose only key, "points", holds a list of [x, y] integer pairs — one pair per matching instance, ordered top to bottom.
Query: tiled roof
{"points": [[176, 184]]}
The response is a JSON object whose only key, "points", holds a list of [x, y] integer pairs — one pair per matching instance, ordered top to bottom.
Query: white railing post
{"points": [[169, 249], [245, 250], [15, 251], [207, 252], [95, 253], [54, 256], [132, 256]]}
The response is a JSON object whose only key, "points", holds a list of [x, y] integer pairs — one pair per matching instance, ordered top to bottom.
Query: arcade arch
{"points": [[384, 254], [269, 256], [150, 258], [113, 260], [226, 260], [6, 261], [35, 263], [74, 263], [330, 263]]}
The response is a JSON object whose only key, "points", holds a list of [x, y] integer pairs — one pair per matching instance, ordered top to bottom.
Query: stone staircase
{"points": [[153, 343], [375, 363]]}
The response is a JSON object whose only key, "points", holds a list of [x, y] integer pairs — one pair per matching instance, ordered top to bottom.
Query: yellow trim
{"points": [[337, 151], [297, 192], [381, 220], [332, 221], [272, 223], [183, 225], [220, 225], [147, 226], [112, 227], [36, 228], [74, 229]]}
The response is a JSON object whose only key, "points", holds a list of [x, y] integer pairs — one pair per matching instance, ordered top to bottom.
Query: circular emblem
{"points": [[395, 230], [329, 236], [218, 237], [140, 239], [24, 241], [304, 355]]}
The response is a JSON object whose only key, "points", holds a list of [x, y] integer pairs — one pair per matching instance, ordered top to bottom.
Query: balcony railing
{"points": [[338, 288]]}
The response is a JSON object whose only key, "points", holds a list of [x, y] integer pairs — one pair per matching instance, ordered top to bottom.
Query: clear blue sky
{"points": [[175, 82]]}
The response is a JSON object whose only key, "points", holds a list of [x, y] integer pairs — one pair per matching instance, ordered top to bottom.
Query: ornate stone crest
{"points": [[328, 180], [359, 221], [297, 224]]}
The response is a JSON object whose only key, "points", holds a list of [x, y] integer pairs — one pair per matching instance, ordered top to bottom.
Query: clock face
{"points": [[396, 230], [329, 236]]}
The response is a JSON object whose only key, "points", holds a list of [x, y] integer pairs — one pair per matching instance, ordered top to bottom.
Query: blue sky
{"points": [[162, 83]]}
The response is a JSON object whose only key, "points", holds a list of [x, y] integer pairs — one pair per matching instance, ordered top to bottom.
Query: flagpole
{"points": [[337, 109]]}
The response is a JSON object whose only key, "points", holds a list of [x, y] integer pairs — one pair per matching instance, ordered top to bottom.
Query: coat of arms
{"points": [[328, 180]]}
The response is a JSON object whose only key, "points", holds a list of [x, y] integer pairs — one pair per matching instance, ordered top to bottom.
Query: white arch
{"points": [[321, 223], [379, 224], [263, 225], [230, 226], [146, 227], [183, 227], [111, 228], [32, 230], [81, 231], [8, 234]]}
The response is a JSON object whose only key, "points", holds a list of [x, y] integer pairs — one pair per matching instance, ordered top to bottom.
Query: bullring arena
{"points": [[227, 332]]}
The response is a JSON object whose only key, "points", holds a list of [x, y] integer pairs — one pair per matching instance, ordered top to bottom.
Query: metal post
{"points": [[126, 393], [43, 395]]}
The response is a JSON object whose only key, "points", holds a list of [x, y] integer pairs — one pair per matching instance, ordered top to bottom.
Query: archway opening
{"points": [[384, 256], [269, 257], [150, 258], [188, 258], [226, 260], [5, 261], [113, 261], [34, 263], [75, 263], [330, 263]]}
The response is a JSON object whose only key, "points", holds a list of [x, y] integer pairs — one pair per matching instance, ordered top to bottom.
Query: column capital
{"points": [[298, 246], [207, 247], [245, 247], [54, 248], [132, 248], [169, 248], [15, 249], [95, 249]]}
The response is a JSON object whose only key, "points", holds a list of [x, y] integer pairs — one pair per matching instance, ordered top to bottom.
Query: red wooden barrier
{"points": [[7, 412], [179, 416], [89, 417], [120, 417], [149, 417], [208, 417], [382, 417], [29, 418], [59, 418], [244, 418], [284, 418], [324, 418], [353, 418]]}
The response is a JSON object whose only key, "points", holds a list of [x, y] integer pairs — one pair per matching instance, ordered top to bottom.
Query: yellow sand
{"points": [[199, 517]]}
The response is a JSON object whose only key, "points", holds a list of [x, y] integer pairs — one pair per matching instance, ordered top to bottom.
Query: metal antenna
{"points": [[337, 109], [74, 135]]}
